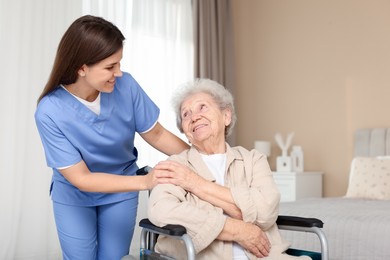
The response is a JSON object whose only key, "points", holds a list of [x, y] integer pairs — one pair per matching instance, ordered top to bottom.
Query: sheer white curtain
{"points": [[30, 31], [158, 52]]}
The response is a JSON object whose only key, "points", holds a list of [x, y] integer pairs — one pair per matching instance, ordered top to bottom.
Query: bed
{"points": [[357, 225]]}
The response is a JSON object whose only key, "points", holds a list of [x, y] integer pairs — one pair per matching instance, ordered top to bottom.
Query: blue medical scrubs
{"points": [[71, 132]]}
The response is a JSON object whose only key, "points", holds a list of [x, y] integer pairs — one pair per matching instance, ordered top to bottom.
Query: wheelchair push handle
{"points": [[144, 170]]}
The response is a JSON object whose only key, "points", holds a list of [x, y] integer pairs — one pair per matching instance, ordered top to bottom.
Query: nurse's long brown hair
{"points": [[88, 40]]}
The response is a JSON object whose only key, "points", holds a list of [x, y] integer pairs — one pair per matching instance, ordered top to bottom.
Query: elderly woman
{"points": [[224, 196]]}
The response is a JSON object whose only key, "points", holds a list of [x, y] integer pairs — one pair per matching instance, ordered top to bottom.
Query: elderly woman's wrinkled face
{"points": [[203, 120]]}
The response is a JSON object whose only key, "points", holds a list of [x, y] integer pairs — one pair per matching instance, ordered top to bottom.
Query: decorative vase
{"points": [[297, 159]]}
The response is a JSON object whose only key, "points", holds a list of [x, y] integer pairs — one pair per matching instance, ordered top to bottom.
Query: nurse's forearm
{"points": [[164, 141], [170, 144], [80, 176], [110, 183], [219, 196]]}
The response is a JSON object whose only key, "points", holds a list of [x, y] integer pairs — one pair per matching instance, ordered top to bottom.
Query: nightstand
{"points": [[298, 185]]}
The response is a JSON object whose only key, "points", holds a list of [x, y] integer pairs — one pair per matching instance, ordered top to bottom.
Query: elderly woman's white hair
{"points": [[219, 93]]}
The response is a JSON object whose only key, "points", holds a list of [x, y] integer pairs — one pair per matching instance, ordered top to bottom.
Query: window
{"points": [[158, 52]]}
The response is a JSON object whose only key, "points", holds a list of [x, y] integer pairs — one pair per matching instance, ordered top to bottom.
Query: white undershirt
{"points": [[94, 105], [217, 165]]}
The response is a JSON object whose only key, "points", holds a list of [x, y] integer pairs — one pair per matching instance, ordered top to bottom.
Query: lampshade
{"points": [[263, 147]]}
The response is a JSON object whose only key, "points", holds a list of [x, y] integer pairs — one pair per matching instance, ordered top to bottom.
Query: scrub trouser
{"points": [[96, 233]]}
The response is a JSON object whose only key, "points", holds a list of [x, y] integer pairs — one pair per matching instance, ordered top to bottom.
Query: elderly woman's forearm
{"points": [[219, 196]]}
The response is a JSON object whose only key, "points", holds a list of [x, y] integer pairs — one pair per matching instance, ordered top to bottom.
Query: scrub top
{"points": [[71, 132]]}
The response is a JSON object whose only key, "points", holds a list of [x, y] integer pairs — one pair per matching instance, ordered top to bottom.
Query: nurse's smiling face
{"points": [[101, 76], [96, 78]]}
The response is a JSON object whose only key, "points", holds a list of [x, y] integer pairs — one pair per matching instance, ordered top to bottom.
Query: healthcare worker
{"points": [[87, 117]]}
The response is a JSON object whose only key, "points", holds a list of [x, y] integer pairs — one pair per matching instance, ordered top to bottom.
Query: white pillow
{"points": [[369, 178]]}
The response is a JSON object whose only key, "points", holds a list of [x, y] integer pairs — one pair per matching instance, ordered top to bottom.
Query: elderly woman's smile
{"points": [[199, 126]]}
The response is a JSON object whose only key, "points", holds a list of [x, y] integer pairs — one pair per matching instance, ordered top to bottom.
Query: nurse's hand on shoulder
{"points": [[178, 174], [156, 176]]}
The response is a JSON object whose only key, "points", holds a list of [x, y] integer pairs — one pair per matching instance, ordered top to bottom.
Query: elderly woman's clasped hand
{"points": [[251, 237]]}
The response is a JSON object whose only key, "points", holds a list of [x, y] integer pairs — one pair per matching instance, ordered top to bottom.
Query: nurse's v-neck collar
{"points": [[92, 105], [106, 107]]}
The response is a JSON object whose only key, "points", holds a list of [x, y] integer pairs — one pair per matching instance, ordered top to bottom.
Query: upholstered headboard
{"points": [[371, 142]]}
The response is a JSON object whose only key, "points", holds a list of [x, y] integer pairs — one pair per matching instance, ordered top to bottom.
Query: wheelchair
{"points": [[150, 233]]}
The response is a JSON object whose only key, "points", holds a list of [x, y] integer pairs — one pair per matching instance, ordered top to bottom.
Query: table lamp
{"points": [[263, 147]]}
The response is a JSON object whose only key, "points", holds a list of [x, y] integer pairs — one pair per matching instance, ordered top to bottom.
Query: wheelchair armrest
{"points": [[299, 221], [170, 230], [150, 232]]}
